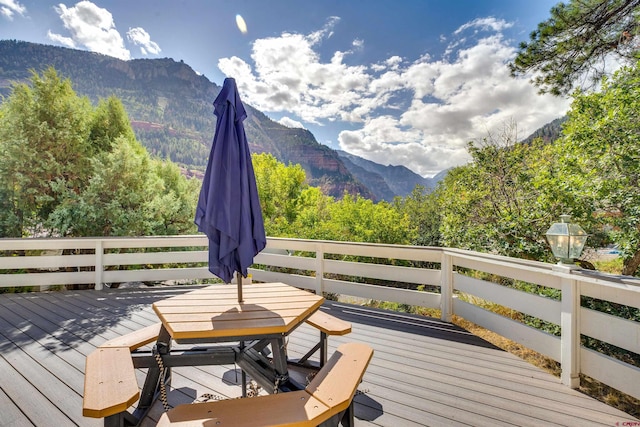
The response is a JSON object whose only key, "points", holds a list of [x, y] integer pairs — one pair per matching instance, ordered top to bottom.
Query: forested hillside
{"points": [[549, 132]]}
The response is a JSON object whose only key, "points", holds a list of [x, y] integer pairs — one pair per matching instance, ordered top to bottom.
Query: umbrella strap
{"points": [[163, 387]]}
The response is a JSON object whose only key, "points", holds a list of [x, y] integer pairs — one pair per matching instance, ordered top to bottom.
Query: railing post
{"points": [[99, 265], [319, 270], [446, 287], [570, 330]]}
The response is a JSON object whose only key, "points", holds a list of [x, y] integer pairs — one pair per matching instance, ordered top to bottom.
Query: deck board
{"points": [[424, 372]]}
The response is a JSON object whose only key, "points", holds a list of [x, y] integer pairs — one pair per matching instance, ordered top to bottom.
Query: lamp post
{"points": [[566, 240]]}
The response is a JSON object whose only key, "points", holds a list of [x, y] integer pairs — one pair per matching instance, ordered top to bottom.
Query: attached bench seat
{"points": [[327, 325], [136, 339], [110, 384], [328, 398]]}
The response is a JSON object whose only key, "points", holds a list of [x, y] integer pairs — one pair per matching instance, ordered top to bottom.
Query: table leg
{"points": [[279, 356], [243, 374], [152, 381], [283, 381]]}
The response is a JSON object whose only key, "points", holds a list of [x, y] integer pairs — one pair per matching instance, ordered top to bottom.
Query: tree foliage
{"points": [[576, 41], [43, 139], [601, 143], [69, 169], [505, 199], [291, 208], [422, 209], [356, 219]]}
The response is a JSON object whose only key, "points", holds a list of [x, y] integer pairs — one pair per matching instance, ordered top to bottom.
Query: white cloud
{"points": [[8, 8], [485, 24], [92, 27], [140, 37], [58, 38], [417, 112], [290, 123]]}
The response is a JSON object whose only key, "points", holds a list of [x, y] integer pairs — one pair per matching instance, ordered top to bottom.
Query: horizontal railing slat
{"points": [[174, 257], [286, 261], [47, 262], [502, 268], [383, 272], [157, 275], [47, 279], [299, 281], [382, 293], [620, 293], [533, 305], [622, 333], [534, 339], [613, 372]]}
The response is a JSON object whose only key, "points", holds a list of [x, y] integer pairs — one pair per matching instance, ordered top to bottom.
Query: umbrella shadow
{"points": [[247, 319]]}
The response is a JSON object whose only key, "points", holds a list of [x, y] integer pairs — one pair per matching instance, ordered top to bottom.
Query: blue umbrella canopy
{"points": [[228, 210]]}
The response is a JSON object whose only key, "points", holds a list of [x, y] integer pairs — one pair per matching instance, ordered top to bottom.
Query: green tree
{"points": [[574, 42], [108, 122], [43, 139], [601, 144], [69, 169], [280, 189], [129, 194], [504, 201], [174, 206], [291, 208], [423, 212], [313, 215], [356, 219]]}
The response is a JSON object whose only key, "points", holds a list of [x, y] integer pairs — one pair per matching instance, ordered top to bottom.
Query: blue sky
{"points": [[405, 82]]}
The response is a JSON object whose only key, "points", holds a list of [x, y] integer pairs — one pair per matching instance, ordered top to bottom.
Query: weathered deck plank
{"points": [[424, 372]]}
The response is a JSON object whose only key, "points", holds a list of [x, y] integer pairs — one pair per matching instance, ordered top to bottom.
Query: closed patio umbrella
{"points": [[228, 210]]}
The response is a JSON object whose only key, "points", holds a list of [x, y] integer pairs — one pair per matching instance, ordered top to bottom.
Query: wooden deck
{"points": [[424, 372]]}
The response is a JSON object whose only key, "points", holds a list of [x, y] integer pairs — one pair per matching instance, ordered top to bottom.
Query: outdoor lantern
{"points": [[566, 240]]}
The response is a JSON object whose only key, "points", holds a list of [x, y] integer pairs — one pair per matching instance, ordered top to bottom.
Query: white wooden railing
{"points": [[456, 283]]}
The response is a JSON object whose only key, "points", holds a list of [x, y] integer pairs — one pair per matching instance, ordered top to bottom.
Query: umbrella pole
{"points": [[239, 280]]}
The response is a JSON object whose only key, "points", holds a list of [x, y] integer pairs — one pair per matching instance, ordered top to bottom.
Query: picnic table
{"points": [[210, 327]]}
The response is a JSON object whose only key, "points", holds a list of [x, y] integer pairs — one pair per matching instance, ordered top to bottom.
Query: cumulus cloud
{"points": [[9, 8], [485, 24], [91, 27], [94, 28], [140, 37], [59, 38], [418, 112], [290, 123]]}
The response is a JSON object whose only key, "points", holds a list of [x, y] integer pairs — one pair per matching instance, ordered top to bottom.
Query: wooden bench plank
{"points": [[329, 324], [135, 339], [336, 383], [110, 384], [329, 394], [296, 408]]}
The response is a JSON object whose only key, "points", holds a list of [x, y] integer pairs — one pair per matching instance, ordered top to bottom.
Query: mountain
{"points": [[170, 108], [549, 132], [386, 182]]}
